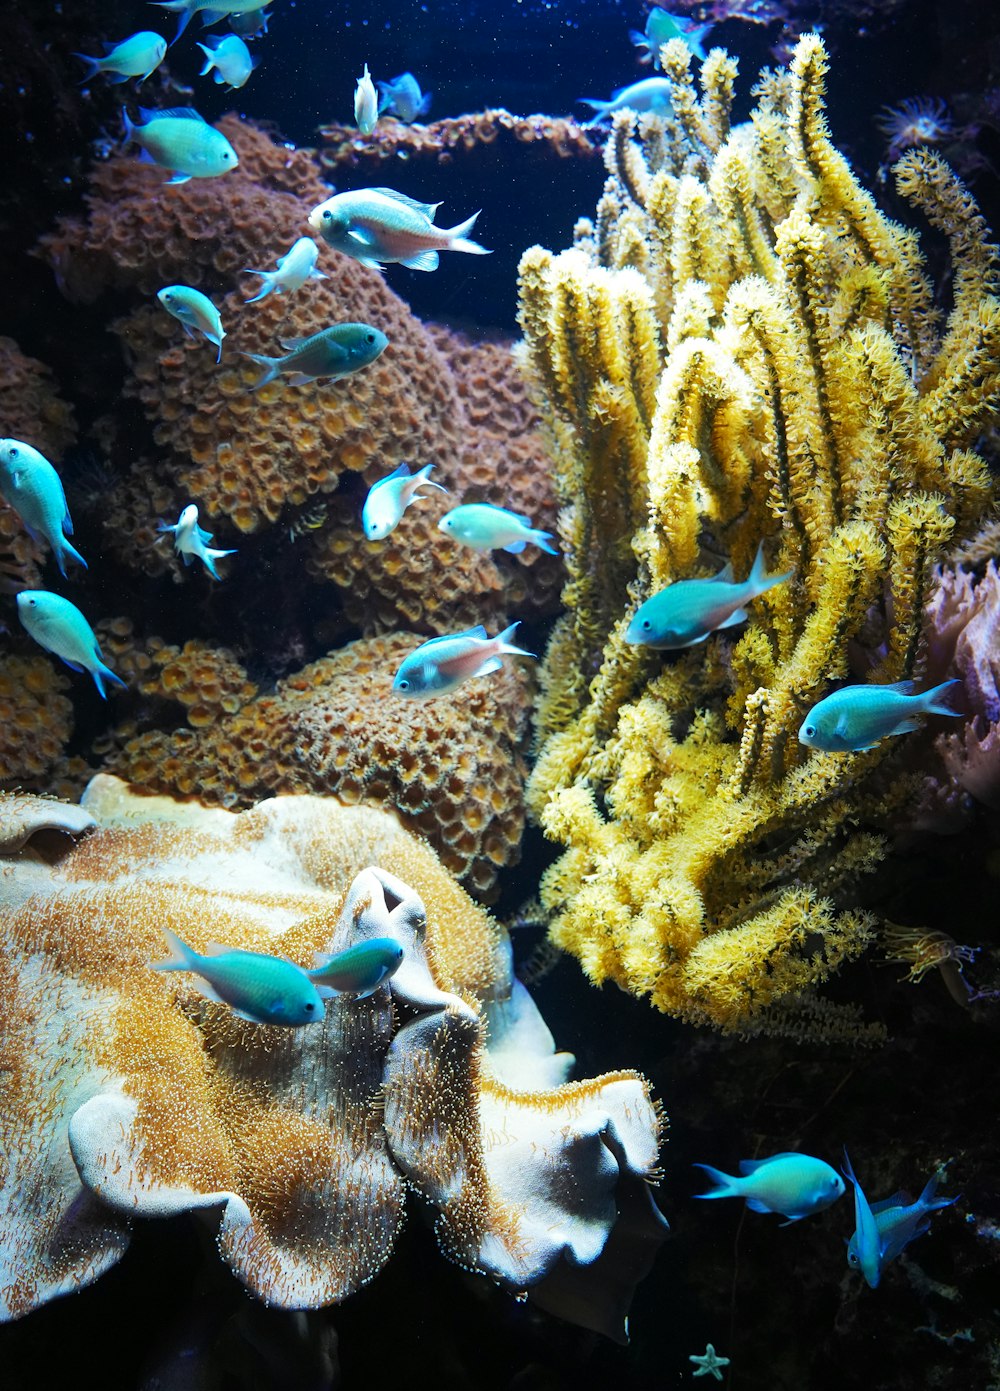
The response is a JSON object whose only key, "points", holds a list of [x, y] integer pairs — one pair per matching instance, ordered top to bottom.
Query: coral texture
{"points": [[742, 348], [36, 719], [129, 1095]]}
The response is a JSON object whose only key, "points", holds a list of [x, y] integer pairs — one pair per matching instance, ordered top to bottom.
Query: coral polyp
{"points": [[915, 121]]}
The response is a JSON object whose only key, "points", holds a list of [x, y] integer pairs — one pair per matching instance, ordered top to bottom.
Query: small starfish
{"points": [[709, 1364]]}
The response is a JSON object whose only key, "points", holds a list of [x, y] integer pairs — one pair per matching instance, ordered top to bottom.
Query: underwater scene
{"points": [[500, 695]]}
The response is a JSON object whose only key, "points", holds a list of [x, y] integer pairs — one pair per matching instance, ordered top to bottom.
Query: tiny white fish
{"points": [[230, 58], [365, 103], [294, 268], [195, 311], [389, 498], [487, 528], [191, 540], [60, 627], [438, 666]]}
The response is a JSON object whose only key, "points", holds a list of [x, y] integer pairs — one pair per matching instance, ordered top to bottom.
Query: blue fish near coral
{"points": [[211, 10], [661, 27], [137, 56], [230, 58], [651, 94], [402, 97], [178, 138], [376, 225], [294, 268], [195, 311], [333, 353], [30, 485], [389, 498], [484, 527], [191, 540], [687, 611], [60, 627], [440, 665], [857, 717], [357, 970], [260, 988], [795, 1185], [884, 1229]]}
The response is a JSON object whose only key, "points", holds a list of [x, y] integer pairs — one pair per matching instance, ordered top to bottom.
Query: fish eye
{"points": [[327, 215], [369, 338], [13, 451], [646, 624], [402, 685], [810, 731], [310, 1006], [852, 1259]]}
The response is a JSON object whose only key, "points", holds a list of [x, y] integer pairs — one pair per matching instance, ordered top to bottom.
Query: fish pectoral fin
{"points": [[363, 240], [424, 260], [737, 616], [326, 992], [790, 1220]]}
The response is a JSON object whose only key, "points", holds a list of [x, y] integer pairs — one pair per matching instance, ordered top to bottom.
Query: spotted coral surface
{"points": [[36, 719]]}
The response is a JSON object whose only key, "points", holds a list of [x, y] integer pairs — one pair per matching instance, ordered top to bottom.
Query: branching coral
{"points": [[742, 348], [128, 1095]]}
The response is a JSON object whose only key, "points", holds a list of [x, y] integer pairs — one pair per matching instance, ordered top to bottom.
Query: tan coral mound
{"points": [[456, 139], [36, 719], [451, 767], [127, 1094]]}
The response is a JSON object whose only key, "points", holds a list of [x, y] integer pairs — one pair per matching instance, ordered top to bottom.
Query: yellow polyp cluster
{"points": [[742, 348], [36, 719]]}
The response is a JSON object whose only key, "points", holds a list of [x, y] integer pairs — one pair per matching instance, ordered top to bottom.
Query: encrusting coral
{"points": [[742, 348], [127, 1094]]}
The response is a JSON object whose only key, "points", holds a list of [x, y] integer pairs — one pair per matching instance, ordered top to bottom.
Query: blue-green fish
{"points": [[212, 11], [251, 24], [661, 27], [136, 56], [230, 58], [651, 94], [403, 98], [365, 103], [178, 138], [376, 225], [294, 268], [195, 311], [333, 353], [30, 485], [389, 498], [484, 527], [191, 540], [688, 610], [60, 627], [442, 664], [857, 717], [358, 970], [263, 989], [796, 1185], [898, 1221], [867, 1244]]}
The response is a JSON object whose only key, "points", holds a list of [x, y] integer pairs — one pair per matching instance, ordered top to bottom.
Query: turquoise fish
{"points": [[212, 11], [251, 24], [661, 27], [136, 56], [230, 58], [651, 94], [402, 97], [365, 103], [178, 138], [376, 225], [294, 268], [195, 311], [334, 353], [30, 485], [389, 498], [484, 527], [191, 540], [687, 611], [60, 627], [442, 664], [857, 717], [358, 970], [260, 988], [796, 1185], [898, 1221], [867, 1243]]}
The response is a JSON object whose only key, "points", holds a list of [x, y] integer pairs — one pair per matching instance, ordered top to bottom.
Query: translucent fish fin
{"points": [[116, 79], [181, 113], [179, 178], [428, 209], [424, 260], [271, 364], [303, 378], [516, 547], [725, 575], [737, 616], [491, 664], [74, 666], [102, 673], [901, 687], [932, 702], [905, 727], [218, 949], [181, 956], [326, 992], [242, 1014], [755, 1205]]}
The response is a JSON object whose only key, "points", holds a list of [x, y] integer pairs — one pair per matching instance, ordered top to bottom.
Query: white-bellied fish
{"points": [[212, 11], [661, 27], [136, 56], [230, 58], [650, 94], [402, 97], [365, 103], [178, 138], [376, 225], [294, 268], [195, 311], [333, 353], [30, 485], [389, 498], [484, 527], [191, 540], [687, 611], [60, 627], [442, 664], [855, 718], [357, 970], [260, 988], [794, 1185], [898, 1221]]}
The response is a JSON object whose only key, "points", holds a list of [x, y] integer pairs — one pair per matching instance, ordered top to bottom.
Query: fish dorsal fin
{"points": [[180, 113], [428, 209], [292, 345], [400, 471], [726, 575], [477, 632], [901, 687], [218, 949], [748, 1166], [899, 1199]]}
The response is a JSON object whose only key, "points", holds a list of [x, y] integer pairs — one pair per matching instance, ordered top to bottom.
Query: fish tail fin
{"points": [[182, 9], [695, 39], [209, 60], [93, 66], [600, 109], [130, 135], [458, 237], [268, 278], [269, 363], [424, 475], [541, 539], [64, 550], [210, 556], [759, 580], [504, 643], [102, 673], [933, 703], [181, 957], [726, 1185]]}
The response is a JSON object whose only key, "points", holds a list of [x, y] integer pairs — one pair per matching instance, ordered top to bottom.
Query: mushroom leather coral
{"points": [[128, 1095]]}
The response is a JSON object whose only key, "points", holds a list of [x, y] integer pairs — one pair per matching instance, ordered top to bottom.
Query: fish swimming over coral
{"points": [[212, 11], [661, 27], [137, 56], [230, 58], [649, 94], [402, 97], [365, 103], [180, 139], [376, 225], [294, 268], [195, 311], [332, 353], [30, 485], [389, 498], [484, 527], [191, 540], [687, 611], [60, 627], [440, 665], [855, 718], [357, 970], [259, 988], [795, 1185], [898, 1221]]}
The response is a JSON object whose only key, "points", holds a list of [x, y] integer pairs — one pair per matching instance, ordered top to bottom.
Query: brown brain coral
{"points": [[451, 768]]}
